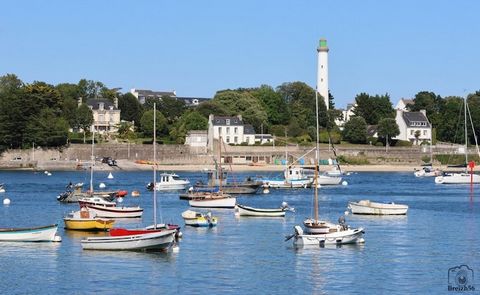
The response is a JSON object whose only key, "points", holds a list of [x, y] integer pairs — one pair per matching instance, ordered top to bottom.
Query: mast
{"points": [[466, 145], [92, 157], [154, 165], [219, 170], [315, 183]]}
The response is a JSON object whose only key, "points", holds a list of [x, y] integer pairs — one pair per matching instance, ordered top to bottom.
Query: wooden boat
{"points": [[74, 193], [213, 200], [374, 208], [242, 210], [115, 212], [85, 219], [197, 219], [116, 232], [30, 234], [155, 241]]}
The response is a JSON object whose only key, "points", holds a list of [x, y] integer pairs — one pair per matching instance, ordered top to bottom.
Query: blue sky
{"points": [[199, 47]]}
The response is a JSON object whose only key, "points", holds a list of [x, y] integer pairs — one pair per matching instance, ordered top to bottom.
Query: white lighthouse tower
{"points": [[322, 70]]}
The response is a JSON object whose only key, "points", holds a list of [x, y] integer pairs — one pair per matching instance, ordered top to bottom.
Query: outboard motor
{"points": [[150, 186], [343, 224]]}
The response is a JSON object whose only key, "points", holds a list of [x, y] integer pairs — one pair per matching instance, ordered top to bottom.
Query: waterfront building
{"points": [[106, 115], [413, 126], [196, 138]]}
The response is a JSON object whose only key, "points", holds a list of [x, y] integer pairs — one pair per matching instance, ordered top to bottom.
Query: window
{"points": [[101, 117], [227, 121], [219, 130], [228, 130], [235, 130], [411, 132], [424, 132], [228, 139], [235, 139]]}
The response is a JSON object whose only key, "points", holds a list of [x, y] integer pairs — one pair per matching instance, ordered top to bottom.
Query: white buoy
{"points": [[46, 172], [49, 174], [110, 176], [344, 182], [102, 185], [2, 190], [266, 190], [135, 194], [120, 200], [6, 201], [346, 212], [57, 239], [175, 249]]}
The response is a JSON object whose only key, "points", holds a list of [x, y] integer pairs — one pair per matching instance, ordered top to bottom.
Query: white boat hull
{"points": [[457, 178], [328, 180], [300, 183], [170, 186], [214, 203], [373, 208], [116, 212], [256, 212], [38, 234], [348, 236], [143, 242]]}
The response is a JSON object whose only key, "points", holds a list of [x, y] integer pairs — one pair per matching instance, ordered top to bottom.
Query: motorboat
{"points": [[427, 171], [293, 177], [219, 178], [457, 178], [169, 181], [213, 200], [83, 202], [374, 208], [242, 210], [115, 212], [84, 219], [197, 219], [30, 234], [336, 236], [154, 241]]}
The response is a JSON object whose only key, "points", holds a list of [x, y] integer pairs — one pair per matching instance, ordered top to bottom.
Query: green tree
{"points": [[42, 95], [301, 99], [273, 103], [431, 103], [211, 107], [130, 108], [171, 108], [373, 108], [452, 118], [83, 119], [190, 120], [146, 123], [46, 129], [387, 129], [125, 130], [355, 130]]}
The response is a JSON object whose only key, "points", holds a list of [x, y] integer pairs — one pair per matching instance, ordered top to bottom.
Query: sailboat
{"points": [[427, 169], [463, 177], [321, 232], [154, 239]]}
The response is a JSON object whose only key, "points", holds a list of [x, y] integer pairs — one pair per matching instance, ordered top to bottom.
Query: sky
{"points": [[199, 47]]}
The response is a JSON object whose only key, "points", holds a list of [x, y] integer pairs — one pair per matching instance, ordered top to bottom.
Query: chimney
{"points": [[79, 101], [115, 102], [424, 112]]}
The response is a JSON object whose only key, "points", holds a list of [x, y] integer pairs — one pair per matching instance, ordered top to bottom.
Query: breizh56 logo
{"points": [[460, 278]]}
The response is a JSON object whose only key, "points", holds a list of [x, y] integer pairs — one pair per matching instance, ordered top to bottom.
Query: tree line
{"points": [[43, 114]]}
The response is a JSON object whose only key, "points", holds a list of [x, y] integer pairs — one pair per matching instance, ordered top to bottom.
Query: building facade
{"points": [[106, 115], [414, 126]]}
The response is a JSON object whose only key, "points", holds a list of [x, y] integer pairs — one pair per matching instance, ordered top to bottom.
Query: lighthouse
{"points": [[322, 70]]}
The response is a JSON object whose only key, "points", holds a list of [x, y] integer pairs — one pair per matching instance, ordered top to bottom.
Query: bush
{"points": [[278, 130], [401, 143], [352, 160]]}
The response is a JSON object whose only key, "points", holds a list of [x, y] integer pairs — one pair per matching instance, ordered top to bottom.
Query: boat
{"points": [[427, 171], [217, 175], [293, 177], [462, 177], [169, 181], [2, 188], [74, 192], [213, 200], [83, 202], [374, 208], [242, 210], [115, 212], [85, 219], [197, 219], [116, 232], [321, 232], [30, 234], [145, 239], [154, 241]]}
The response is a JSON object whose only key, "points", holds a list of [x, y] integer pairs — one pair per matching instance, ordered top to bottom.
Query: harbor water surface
{"points": [[401, 254]]}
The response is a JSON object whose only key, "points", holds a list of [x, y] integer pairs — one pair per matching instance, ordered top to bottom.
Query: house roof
{"points": [[151, 93], [189, 101], [95, 104], [416, 119], [222, 121]]}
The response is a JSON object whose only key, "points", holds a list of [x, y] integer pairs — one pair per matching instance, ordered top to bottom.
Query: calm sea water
{"points": [[407, 254]]}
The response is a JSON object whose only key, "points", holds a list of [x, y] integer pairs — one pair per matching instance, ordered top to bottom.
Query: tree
{"points": [[42, 95], [301, 99], [273, 103], [431, 103], [211, 107], [130, 108], [171, 108], [373, 108], [451, 116], [83, 119], [190, 120], [146, 123], [46, 129], [387, 129], [125, 130], [355, 130]]}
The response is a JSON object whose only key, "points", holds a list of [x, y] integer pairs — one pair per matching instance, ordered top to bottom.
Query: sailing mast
{"points": [[466, 145], [92, 157], [154, 166], [219, 170], [315, 183]]}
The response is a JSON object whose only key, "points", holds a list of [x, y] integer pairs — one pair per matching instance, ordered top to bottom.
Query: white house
{"points": [[403, 103], [106, 115], [346, 115], [412, 124], [233, 130]]}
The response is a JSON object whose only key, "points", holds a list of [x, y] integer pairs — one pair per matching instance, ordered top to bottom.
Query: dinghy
{"points": [[374, 208], [242, 210], [85, 219], [197, 219], [30, 234], [155, 241]]}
